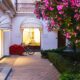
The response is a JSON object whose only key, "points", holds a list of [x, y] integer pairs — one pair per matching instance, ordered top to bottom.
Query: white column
{"points": [[7, 41], [1, 44]]}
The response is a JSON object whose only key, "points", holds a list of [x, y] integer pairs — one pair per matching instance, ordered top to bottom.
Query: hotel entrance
{"points": [[31, 37]]}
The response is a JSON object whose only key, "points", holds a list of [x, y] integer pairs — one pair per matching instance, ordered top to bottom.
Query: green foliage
{"points": [[58, 50], [44, 54], [61, 64], [64, 64], [69, 76]]}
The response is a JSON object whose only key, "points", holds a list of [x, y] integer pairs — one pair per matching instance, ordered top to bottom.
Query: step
{"points": [[4, 73]]}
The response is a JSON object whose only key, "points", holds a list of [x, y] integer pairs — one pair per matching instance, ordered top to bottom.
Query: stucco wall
{"points": [[16, 36], [48, 39], [7, 42]]}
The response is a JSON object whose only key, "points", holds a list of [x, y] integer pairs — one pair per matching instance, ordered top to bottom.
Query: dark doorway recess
{"points": [[61, 40]]}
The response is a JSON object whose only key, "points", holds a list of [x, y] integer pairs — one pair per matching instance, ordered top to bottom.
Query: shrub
{"points": [[16, 49], [60, 50], [44, 54], [72, 56], [61, 64], [69, 76]]}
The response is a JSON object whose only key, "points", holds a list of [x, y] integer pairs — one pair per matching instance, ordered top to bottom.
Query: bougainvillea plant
{"points": [[63, 15]]}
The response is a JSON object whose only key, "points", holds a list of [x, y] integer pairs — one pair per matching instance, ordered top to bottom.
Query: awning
{"points": [[5, 22], [31, 23]]}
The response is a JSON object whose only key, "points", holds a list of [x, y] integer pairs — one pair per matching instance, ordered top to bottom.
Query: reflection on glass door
{"points": [[31, 36]]}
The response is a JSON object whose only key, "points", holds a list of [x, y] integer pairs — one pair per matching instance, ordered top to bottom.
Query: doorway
{"points": [[31, 37], [61, 40]]}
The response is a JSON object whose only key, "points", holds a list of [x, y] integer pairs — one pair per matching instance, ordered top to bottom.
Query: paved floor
{"points": [[31, 67]]}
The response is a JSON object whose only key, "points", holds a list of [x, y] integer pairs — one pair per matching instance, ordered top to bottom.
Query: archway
{"points": [[31, 29]]}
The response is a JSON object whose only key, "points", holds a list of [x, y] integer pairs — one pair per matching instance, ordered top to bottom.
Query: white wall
{"points": [[16, 36], [48, 39], [7, 42]]}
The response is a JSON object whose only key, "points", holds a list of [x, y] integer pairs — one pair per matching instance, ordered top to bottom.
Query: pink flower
{"points": [[65, 0], [73, 2], [46, 3], [65, 4], [78, 4], [59, 7], [51, 8], [76, 10], [61, 12], [43, 14], [76, 16], [45, 17], [59, 18], [52, 22], [78, 27], [64, 30], [74, 33], [68, 35], [76, 41]]}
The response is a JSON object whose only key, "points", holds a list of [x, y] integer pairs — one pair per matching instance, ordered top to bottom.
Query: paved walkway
{"points": [[31, 67]]}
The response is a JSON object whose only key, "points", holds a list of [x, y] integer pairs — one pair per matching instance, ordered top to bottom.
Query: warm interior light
{"points": [[6, 30], [37, 35], [32, 36], [0, 43]]}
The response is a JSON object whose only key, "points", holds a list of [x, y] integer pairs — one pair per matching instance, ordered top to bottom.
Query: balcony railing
{"points": [[25, 7]]}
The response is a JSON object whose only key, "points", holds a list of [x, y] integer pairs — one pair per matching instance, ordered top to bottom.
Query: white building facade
{"points": [[6, 14], [16, 26], [5, 29], [48, 40]]}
